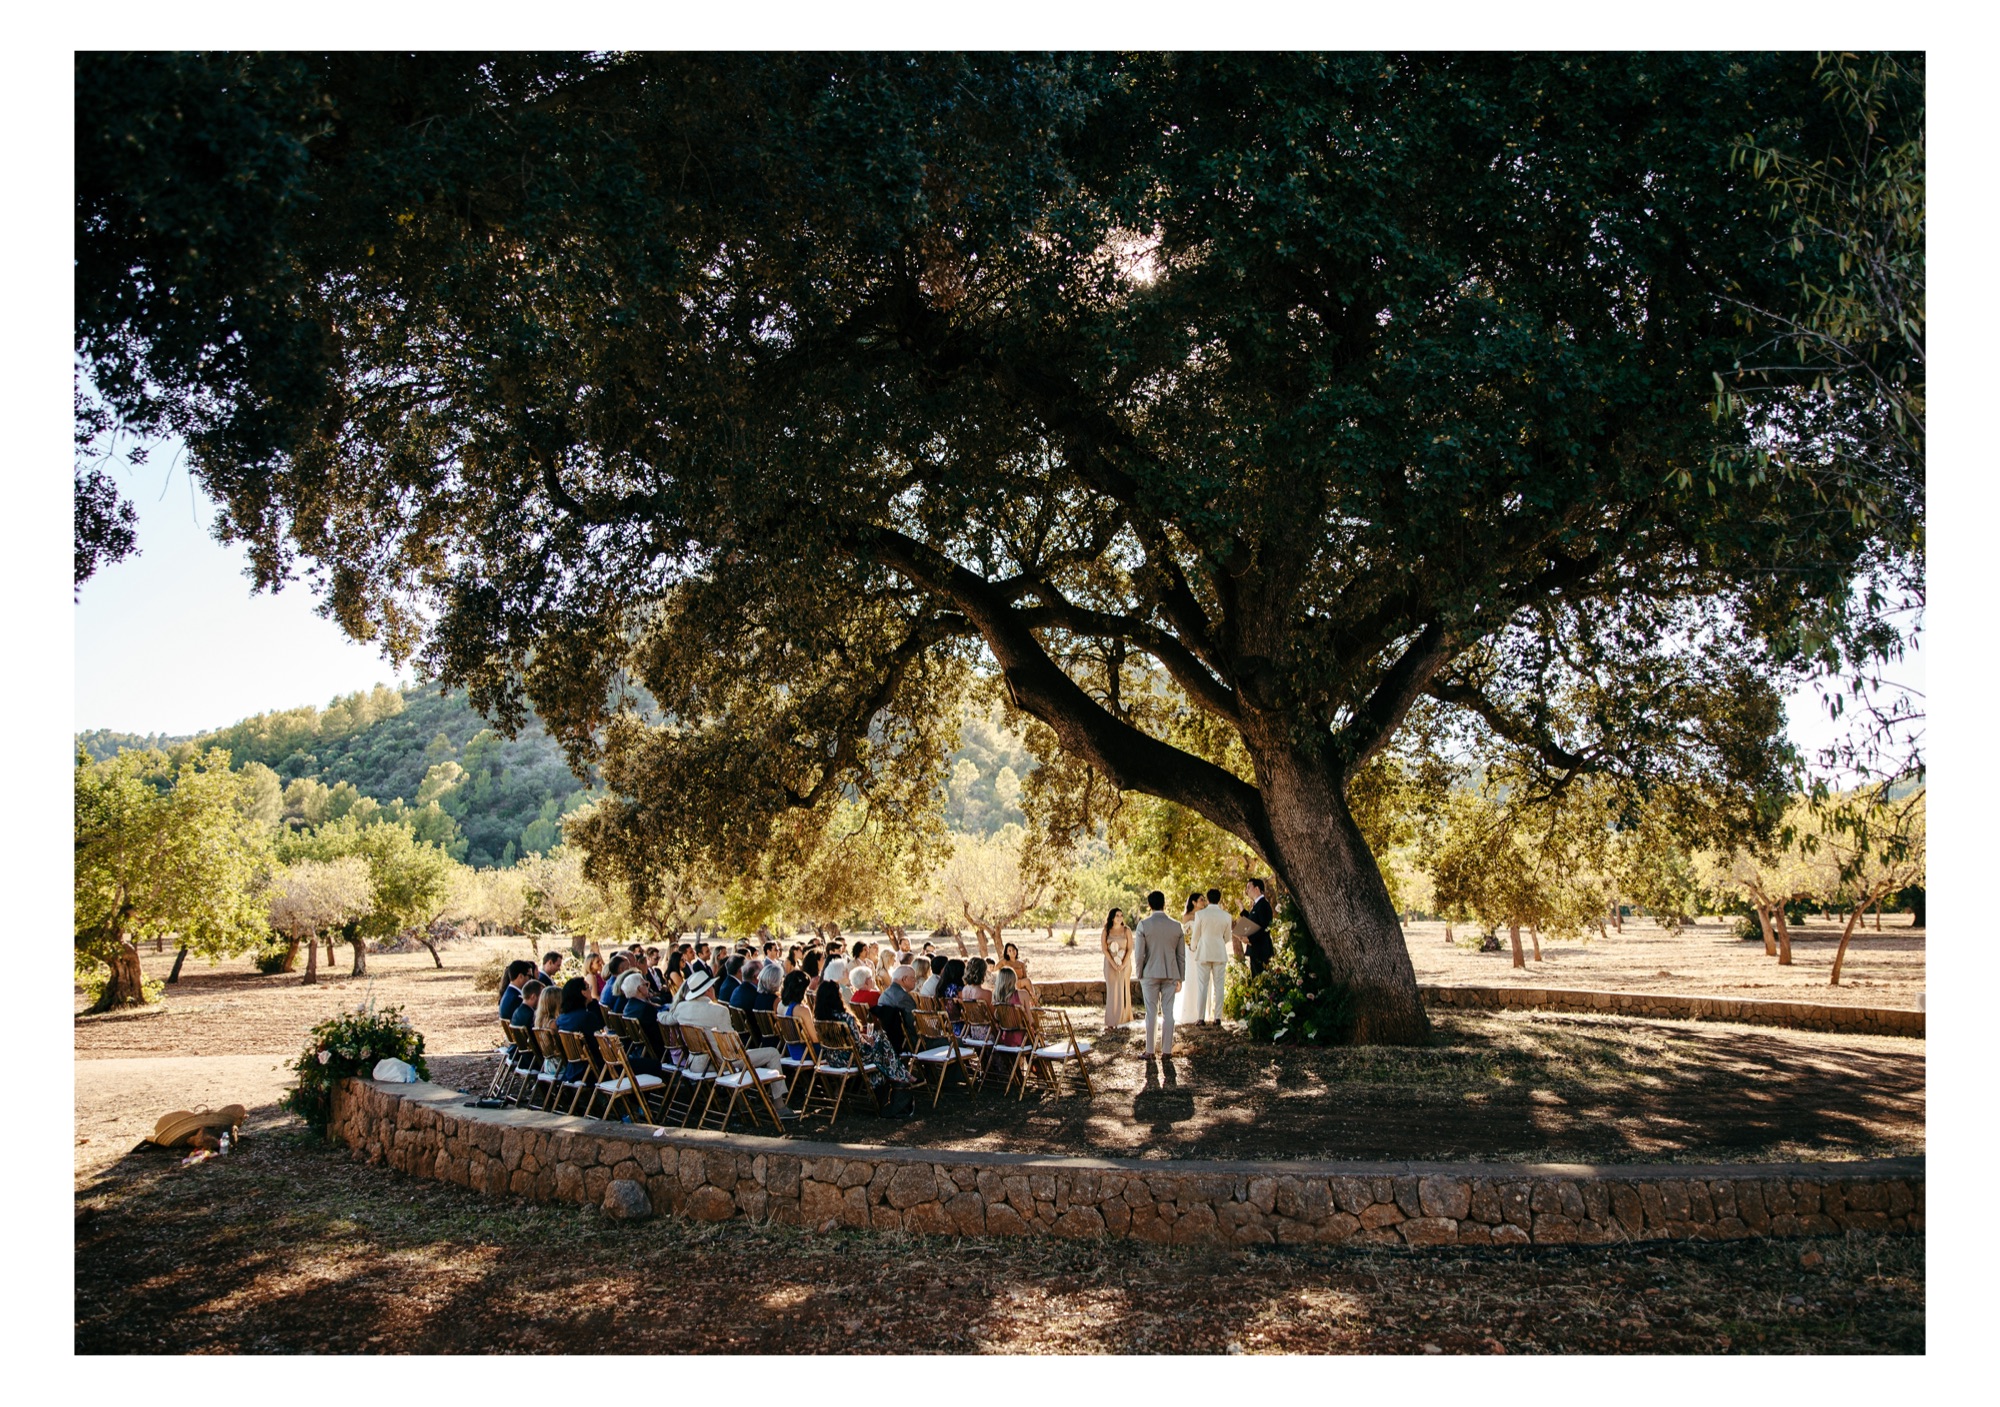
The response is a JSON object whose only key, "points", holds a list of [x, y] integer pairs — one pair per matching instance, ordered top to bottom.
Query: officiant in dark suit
{"points": [[1257, 942]]}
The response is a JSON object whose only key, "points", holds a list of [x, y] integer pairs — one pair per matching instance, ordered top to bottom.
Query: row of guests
{"points": [[685, 959], [753, 984]]}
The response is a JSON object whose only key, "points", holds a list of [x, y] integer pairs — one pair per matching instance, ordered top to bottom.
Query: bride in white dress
{"points": [[1185, 1012]]}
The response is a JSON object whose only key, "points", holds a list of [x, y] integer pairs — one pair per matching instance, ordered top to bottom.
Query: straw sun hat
{"points": [[183, 1124]]}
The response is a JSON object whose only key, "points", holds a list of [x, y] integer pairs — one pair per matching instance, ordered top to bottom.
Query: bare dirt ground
{"points": [[1705, 959], [286, 1246]]}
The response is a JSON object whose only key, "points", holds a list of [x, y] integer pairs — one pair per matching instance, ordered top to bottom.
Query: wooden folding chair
{"points": [[925, 1003], [742, 1023], [976, 1031], [690, 1045], [1013, 1045], [1056, 1046], [576, 1047], [937, 1053], [554, 1061], [836, 1062], [796, 1067], [503, 1069], [736, 1076], [624, 1085]]}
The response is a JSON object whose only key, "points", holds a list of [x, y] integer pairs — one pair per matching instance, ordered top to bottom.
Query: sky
{"points": [[173, 641]]}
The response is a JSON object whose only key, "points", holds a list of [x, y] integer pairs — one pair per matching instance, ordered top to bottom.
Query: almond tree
{"points": [[162, 849], [1878, 853], [310, 898]]}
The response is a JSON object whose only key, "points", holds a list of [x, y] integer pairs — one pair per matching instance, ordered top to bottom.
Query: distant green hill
{"points": [[384, 743], [513, 794]]}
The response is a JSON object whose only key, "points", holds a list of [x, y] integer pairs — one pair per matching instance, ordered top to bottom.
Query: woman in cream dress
{"points": [[1117, 971]]}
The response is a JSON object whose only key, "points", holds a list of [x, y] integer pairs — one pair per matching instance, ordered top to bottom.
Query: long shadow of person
{"points": [[1161, 1106]]}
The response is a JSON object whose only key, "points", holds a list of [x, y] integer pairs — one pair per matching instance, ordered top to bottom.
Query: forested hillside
{"points": [[507, 796]]}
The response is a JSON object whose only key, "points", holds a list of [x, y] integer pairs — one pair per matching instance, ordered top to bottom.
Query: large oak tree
{"points": [[725, 409]]}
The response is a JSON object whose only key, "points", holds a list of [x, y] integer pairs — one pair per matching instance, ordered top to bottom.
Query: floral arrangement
{"points": [[1295, 1000], [350, 1045]]}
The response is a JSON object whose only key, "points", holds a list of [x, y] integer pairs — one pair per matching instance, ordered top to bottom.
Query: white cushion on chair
{"points": [[1063, 1052], [625, 1086]]}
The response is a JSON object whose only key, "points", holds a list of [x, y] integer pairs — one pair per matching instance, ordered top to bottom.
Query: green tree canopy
{"points": [[726, 408], [163, 849]]}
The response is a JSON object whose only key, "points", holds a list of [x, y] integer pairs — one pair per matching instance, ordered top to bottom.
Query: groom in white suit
{"points": [[1210, 932], [1160, 954]]}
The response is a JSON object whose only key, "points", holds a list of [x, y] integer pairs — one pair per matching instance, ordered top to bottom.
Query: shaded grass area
{"points": [[289, 1246]]}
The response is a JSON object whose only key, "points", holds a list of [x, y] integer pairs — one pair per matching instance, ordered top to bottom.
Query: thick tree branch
{"points": [[1406, 680], [1518, 731], [1130, 759]]}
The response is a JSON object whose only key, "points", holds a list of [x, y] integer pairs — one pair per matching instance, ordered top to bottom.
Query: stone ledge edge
{"points": [[1671, 1006], [424, 1130]]}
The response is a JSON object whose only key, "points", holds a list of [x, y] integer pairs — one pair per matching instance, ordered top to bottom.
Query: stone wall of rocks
{"points": [[1803, 1016], [632, 1171]]}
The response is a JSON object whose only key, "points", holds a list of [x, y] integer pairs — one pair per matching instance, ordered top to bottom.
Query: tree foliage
{"points": [[727, 408], [162, 849]]}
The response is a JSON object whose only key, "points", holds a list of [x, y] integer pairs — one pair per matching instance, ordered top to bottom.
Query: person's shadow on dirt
{"points": [[1161, 1106]]}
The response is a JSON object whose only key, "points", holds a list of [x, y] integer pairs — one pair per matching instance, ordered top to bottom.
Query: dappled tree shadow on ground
{"points": [[1556, 1088], [288, 1246]]}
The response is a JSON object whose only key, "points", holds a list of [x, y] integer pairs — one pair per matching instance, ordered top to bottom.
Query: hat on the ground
{"points": [[696, 985]]}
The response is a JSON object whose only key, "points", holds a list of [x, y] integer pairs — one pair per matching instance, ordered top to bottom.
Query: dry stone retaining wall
{"points": [[1804, 1016], [631, 1171]]}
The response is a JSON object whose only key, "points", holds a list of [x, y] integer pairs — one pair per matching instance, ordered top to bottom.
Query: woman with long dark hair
{"points": [[1117, 940]]}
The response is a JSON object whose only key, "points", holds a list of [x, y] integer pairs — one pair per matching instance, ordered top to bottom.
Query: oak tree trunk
{"points": [[1338, 893], [1853, 919], [1764, 922], [1447, 933], [1535, 933], [1784, 936], [1514, 937], [431, 944], [360, 946], [329, 951], [291, 956], [179, 958], [312, 963], [127, 985]]}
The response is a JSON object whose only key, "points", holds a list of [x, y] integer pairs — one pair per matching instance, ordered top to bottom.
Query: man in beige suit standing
{"points": [[1210, 932], [1160, 955]]}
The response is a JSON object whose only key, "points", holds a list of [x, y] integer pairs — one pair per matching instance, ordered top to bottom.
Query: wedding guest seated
{"points": [[552, 968], [770, 980], [952, 981], [746, 984], [926, 985], [511, 986], [725, 988], [975, 988], [1007, 992], [864, 993], [791, 998], [529, 1000], [829, 1000], [898, 1001], [698, 1009], [577, 1013]]}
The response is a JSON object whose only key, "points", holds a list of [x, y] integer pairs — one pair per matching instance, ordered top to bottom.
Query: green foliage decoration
{"points": [[1296, 999], [349, 1044]]}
